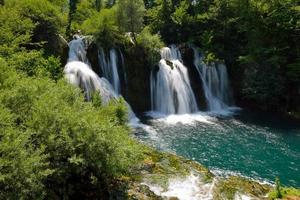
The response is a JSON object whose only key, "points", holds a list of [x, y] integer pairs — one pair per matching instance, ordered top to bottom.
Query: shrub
{"points": [[47, 19], [103, 26], [15, 31], [151, 43], [35, 63], [61, 144]]}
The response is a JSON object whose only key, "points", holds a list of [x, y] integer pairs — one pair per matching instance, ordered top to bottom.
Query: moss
{"points": [[157, 168], [208, 176], [226, 189], [142, 192], [287, 193]]}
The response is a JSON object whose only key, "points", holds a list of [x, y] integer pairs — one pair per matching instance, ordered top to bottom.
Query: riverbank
{"points": [[167, 176]]}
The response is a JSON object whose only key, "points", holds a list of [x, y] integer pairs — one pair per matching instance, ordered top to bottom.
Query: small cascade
{"points": [[77, 50], [109, 67], [123, 67], [79, 73], [215, 83], [171, 92]]}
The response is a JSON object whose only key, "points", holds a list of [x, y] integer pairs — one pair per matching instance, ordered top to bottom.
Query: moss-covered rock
{"points": [[159, 169], [228, 188]]}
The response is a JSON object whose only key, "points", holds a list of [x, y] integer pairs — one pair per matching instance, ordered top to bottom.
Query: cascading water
{"points": [[77, 50], [109, 67], [123, 67], [79, 73], [215, 83], [171, 92]]}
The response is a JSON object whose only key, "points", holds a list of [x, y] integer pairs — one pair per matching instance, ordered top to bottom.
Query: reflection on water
{"points": [[254, 145]]}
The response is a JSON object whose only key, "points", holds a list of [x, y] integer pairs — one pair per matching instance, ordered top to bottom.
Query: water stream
{"points": [[109, 67], [215, 83], [171, 92]]}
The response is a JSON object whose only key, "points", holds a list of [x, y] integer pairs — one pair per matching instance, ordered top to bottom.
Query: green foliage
{"points": [[85, 9], [130, 15], [47, 19], [103, 26], [15, 31], [17, 34], [151, 43], [34, 63], [263, 85], [52, 139], [23, 167], [278, 186], [284, 192]]}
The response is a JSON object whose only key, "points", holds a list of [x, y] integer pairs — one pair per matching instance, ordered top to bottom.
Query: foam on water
{"points": [[227, 173], [189, 188], [240, 196]]}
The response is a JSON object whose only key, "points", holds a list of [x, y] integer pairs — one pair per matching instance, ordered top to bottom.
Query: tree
{"points": [[98, 5], [72, 10], [130, 15]]}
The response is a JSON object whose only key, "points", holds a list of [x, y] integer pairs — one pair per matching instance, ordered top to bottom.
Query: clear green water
{"points": [[255, 145]]}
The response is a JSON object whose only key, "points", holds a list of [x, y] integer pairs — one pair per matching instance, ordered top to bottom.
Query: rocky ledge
{"points": [[163, 176]]}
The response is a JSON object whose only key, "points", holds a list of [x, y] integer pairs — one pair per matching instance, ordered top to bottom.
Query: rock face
{"points": [[138, 71], [196, 83]]}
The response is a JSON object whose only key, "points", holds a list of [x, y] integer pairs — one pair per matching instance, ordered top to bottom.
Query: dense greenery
{"points": [[54, 144]]}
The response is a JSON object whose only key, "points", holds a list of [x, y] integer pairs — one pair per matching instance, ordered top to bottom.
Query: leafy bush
{"points": [[84, 9], [47, 19], [103, 26], [15, 31], [151, 43], [35, 63], [61, 145], [23, 167]]}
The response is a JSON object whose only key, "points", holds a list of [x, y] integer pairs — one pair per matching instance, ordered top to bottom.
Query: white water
{"points": [[77, 50], [109, 67], [123, 67], [79, 73], [215, 83], [171, 92], [185, 119], [189, 188]]}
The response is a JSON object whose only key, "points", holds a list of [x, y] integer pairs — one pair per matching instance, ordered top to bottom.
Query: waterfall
{"points": [[77, 50], [109, 67], [123, 67], [79, 73], [215, 83], [171, 92]]}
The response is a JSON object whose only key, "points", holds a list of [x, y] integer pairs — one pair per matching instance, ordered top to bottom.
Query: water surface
{"points": [[250, 144]]}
